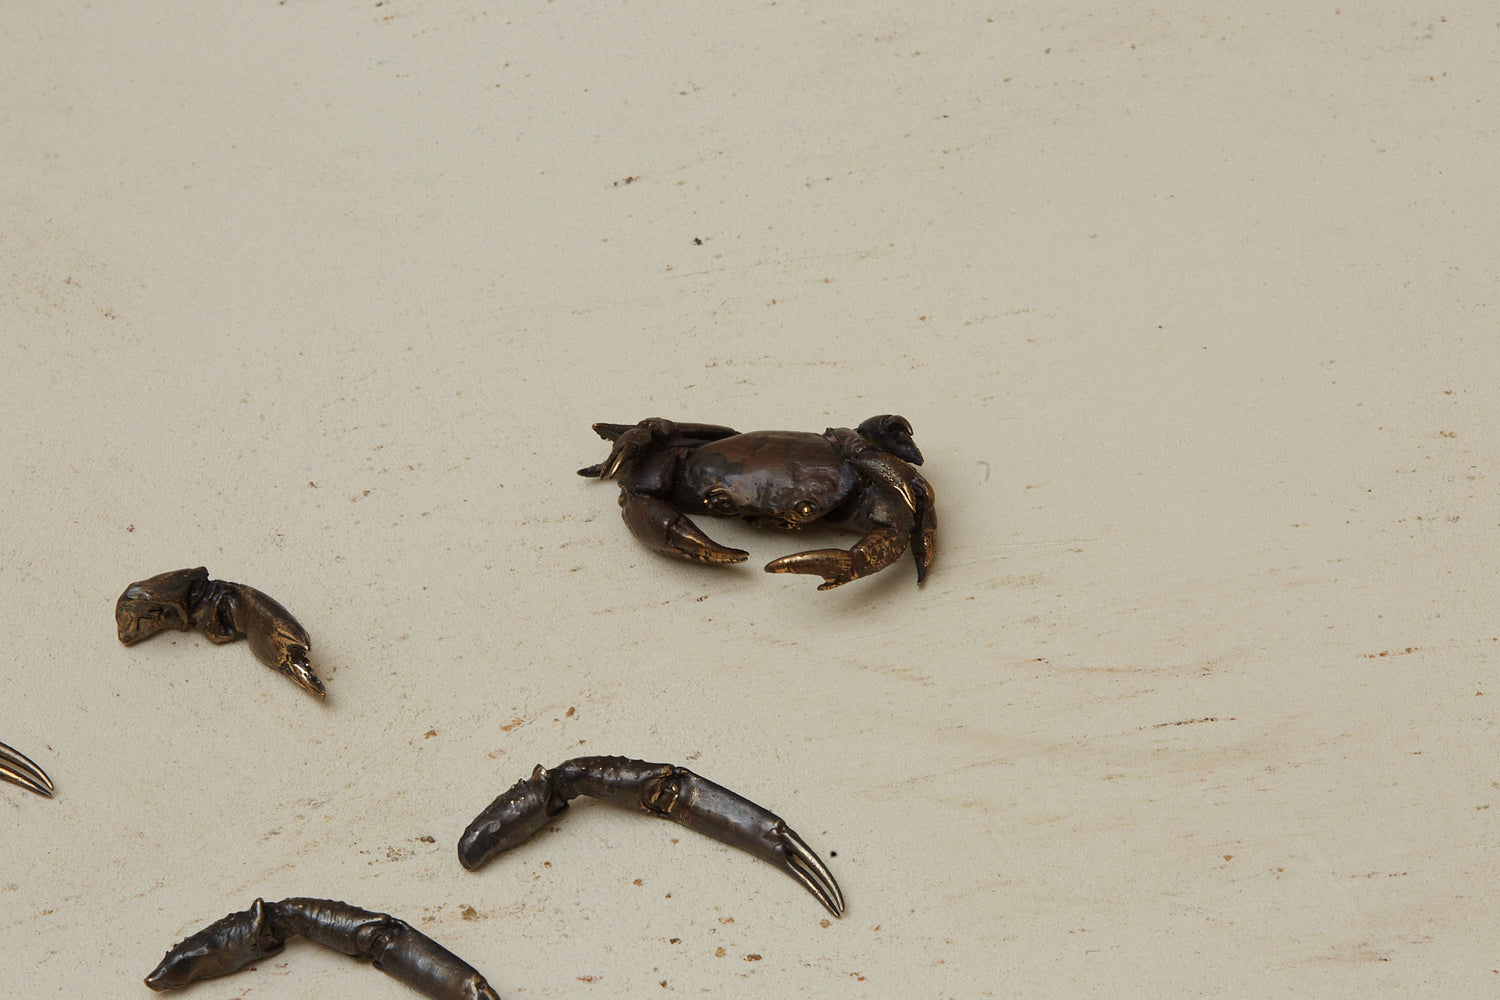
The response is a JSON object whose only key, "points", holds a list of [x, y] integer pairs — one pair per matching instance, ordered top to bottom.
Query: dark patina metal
{"points": [[861, 480], [187, 600], [662, 790], [392, 945]]}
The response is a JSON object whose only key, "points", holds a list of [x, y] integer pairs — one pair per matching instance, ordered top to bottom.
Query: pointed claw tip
{"points": [[302, 675], [16, 766], [806, 867]]}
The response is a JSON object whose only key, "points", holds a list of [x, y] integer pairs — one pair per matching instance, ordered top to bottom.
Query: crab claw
{"points": [[891, 471], [898, 511], [673, 534], [835, 566], [187, 600], [277, 639], [16, 766], [662, 790], [799, 861], [388, 943]]}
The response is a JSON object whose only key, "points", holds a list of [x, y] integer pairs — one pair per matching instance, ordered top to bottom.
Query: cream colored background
{"points": [[1193, 307]]}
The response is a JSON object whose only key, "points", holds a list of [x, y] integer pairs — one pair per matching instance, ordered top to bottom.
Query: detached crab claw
{"points": [[186, 600], [16, 766], [662, 790], [389, 943]]}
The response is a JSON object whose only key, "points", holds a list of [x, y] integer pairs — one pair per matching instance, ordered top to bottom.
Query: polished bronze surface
{"points": [[861, 480], [187, 600], [17, 767], [663, 790]]}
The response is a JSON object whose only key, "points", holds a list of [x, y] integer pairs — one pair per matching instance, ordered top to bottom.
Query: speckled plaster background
{"points": [[1193, 308]]}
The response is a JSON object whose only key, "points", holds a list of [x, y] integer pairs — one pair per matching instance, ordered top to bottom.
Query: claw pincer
{"points": [[187, 600], [16, 766], [662, 790], [392, 945]]}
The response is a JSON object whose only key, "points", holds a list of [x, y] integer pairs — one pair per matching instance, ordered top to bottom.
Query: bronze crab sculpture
{"points": [[859, 480]]}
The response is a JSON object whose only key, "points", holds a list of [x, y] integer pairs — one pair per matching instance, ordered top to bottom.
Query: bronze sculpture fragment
{"points": [[861, 480], [187, 600], [16, 766], [662, 790], [392, 945]]}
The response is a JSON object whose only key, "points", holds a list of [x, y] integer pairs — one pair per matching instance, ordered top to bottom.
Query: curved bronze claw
{"points": [[187, 600], [16, 766], [663, 790], [393, 946]]}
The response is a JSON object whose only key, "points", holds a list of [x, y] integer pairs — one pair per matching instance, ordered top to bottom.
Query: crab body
{"points": [[861, 480]]}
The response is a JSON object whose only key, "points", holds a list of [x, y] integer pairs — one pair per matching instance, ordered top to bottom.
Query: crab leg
{"points": [[630, 439], [187, 600], [16, 766], [663, 790], [393, 946]]}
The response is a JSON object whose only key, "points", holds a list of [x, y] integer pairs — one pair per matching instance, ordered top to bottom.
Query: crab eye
{"points": [[718, 500], [805, 508]]}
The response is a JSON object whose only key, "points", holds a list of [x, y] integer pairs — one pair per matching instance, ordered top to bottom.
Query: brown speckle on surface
{"points": [[1188, 722], [429, 734], [468, 912], [718, 953], [752, 957]]}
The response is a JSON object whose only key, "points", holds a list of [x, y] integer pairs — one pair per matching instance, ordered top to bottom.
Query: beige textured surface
{"points": [[1193, 308]]}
